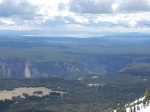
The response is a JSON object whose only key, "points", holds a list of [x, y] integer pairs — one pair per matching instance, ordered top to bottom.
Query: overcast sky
{"points": [[74, 17]]}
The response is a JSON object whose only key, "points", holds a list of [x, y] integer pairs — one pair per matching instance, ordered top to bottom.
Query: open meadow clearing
{"points": [[19, 91]]}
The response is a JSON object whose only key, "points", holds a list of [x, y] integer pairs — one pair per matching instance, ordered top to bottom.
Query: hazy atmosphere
{"points": [[79, 18], [74, 55]]}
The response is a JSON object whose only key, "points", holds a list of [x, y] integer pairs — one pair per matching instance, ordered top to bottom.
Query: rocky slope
{"points": [[85, 64], [139, 66], [17, 67]]}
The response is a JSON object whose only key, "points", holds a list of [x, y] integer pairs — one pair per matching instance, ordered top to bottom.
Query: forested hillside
{"points": [[23, 56], [97, 93]]}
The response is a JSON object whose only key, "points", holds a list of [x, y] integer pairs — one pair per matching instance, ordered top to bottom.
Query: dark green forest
{"points": [[78, 97]]}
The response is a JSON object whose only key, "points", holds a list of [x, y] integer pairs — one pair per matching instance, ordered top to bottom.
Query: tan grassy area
{"points": [[19, 91]]}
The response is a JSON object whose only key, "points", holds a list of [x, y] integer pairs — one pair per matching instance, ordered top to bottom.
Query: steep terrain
{"points": [[86, 64], [140, 66], [15, 67], [140, 105]]}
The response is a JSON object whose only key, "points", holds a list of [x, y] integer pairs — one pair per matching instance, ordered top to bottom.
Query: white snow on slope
{"points": [[135, 107], [139, 108], [147, 109]]}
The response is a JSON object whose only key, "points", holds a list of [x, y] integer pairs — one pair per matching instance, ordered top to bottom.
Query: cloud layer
{"points": [[134, 5], [91, 6], [109, 6], [16, 7], [84, 17]]}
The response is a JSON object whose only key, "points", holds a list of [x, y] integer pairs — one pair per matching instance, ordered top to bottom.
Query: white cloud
{"points": [[1, 1], [48, 7], [115, 7], [75, 16], [7, 22]]}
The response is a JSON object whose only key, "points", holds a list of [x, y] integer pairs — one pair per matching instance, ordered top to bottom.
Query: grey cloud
{"points": [[134, 5], [89, 6], [105, 6], [13, 8], [144, 23]]}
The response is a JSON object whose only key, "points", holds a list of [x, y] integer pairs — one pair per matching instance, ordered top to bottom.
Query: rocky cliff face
{"points": [[11, 67], [15, 67], [25, 68]]}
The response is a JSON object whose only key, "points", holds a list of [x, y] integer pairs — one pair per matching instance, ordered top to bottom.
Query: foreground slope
{"points": [[140, 105]]}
